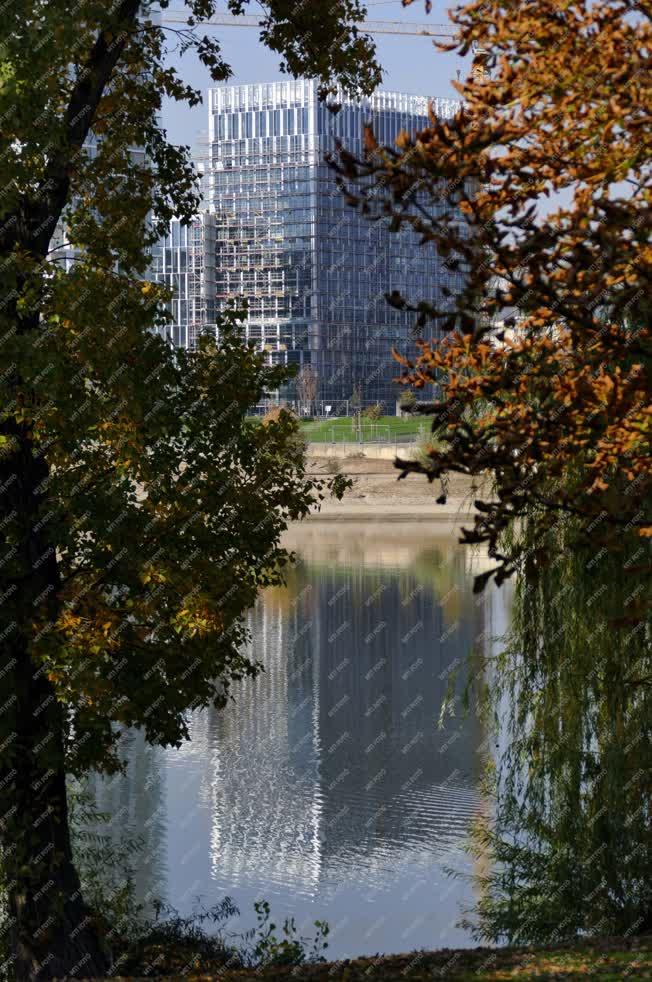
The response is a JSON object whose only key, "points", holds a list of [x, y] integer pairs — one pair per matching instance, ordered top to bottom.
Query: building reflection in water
{"points": [[328, 786], [135, 803]]}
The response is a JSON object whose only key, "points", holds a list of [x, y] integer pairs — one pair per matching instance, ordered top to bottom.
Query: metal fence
{"points": [[322, 409], [362, 431]]}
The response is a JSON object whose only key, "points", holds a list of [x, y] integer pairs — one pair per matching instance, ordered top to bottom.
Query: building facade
{"points": [[276, 232], [184, 261], [314, 272]]}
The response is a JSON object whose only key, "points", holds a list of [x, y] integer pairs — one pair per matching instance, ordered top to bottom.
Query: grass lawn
{"points": [[386, 429]]}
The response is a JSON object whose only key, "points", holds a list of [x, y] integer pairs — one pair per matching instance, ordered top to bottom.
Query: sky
{"points": [[410, 64]]}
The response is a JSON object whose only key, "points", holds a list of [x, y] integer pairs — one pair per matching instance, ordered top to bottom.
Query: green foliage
{"points": [[320, 40], [407, 399], [373, 412], [158, 511], [139, 513], [166, 516], [569, 849], [106, 868], [152, 938], [172, 944], [266, 948]]}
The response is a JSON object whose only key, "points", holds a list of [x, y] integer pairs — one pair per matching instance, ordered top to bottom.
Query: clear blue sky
{"points": [[410, 64]]}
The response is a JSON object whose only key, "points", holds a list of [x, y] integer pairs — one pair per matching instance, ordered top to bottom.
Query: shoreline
{"points": [[377, 494], [452, 513], [607, 958]]}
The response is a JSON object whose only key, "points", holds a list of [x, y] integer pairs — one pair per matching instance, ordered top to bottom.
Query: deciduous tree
{"points": [[548, 163], [307, 386], [139, 512], [567, 847]]}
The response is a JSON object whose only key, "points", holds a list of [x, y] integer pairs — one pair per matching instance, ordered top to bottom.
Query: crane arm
{"points": [[395, 27]]}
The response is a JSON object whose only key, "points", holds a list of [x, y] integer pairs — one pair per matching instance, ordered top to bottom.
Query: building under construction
{"points": [[184, 261], [313, 272]]}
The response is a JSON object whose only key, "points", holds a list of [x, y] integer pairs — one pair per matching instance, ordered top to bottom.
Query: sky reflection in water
{"points": [[328, 787]]}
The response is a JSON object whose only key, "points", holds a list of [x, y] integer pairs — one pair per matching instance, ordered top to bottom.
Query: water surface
{"points": [[328, 787]]}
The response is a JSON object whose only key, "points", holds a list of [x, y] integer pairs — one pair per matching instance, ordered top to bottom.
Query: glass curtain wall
{"points": [[184, 261], [314, 273]]}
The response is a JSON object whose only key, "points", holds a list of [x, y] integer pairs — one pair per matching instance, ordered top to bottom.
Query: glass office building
{"points": [[184, 261], [314, 273]]}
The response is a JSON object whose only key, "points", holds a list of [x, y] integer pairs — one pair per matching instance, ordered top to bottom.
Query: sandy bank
{"points": [[378, 496]]}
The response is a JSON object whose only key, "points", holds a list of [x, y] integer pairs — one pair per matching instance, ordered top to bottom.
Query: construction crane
{"points": [[396, 27]]}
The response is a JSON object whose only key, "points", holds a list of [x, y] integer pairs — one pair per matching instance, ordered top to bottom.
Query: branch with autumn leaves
{"points": [[538, 192]]}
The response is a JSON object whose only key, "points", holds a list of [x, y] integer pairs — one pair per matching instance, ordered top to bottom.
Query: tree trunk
{"points": [[50, 927], [51, 930]]}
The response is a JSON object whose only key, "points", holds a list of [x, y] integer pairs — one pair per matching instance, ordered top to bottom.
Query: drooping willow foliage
{"points": [[568, 848]]}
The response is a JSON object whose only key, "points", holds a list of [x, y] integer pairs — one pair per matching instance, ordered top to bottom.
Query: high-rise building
{"points": [[184, 261], [313, 271]]}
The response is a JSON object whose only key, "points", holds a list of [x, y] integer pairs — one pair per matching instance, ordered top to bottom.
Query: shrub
{"points": [[407, 399], [373, 412], [154, 939]]}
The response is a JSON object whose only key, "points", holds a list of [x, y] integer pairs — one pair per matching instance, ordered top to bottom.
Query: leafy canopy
{"points": [[548, 160], [141, 511], [567, 849]]}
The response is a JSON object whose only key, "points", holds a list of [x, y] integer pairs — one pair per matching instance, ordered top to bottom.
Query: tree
{"points": [[540, 183], [307, 386], [407, 401], [374, 412], [139, 511], [567, 850]]}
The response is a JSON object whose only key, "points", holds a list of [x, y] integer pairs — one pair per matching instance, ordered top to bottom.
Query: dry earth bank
{"points": [[606, 960]]}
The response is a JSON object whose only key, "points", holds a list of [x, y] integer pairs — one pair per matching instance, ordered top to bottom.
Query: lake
{"points": [[328, 786]]}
